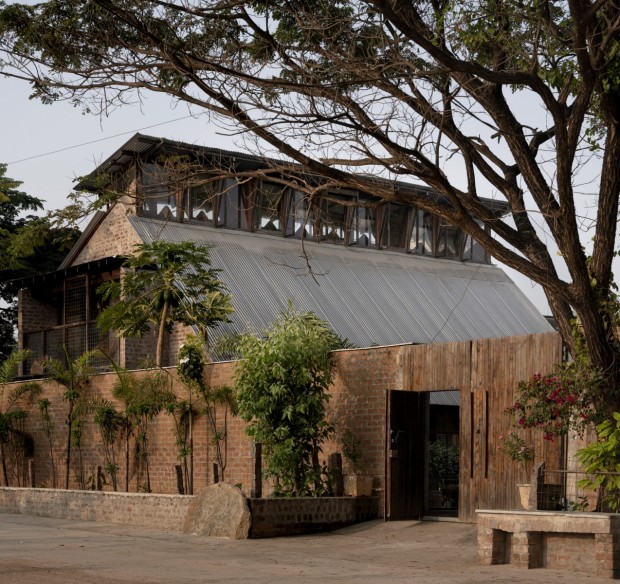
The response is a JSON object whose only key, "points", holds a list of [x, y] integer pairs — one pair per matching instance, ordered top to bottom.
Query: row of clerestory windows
{"points": [[338, 218]]}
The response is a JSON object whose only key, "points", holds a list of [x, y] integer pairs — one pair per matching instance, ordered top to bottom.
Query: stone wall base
{"points": [[270, 517]]}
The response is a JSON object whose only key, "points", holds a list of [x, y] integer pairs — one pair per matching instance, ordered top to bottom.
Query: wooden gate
{"points": [[486, 372], [405, 462]]}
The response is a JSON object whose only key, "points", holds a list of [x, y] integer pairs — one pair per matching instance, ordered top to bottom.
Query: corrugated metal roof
{"points": [[371, 297], [445, 398]]}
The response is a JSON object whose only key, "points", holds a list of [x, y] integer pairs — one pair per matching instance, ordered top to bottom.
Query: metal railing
{"points": [[69, 341]]}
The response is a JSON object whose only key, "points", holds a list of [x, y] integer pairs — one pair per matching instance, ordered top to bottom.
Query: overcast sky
{"points": [[47, 146]]}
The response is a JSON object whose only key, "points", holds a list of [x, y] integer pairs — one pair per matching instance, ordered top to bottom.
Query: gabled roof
{"points": [[371, 297]]}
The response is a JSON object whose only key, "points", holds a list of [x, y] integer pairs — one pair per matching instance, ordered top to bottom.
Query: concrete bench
{"points": [[561, 540]]}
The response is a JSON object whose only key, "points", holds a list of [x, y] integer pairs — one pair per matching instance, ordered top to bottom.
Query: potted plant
{"points": [[516, 448], [356, 482]]}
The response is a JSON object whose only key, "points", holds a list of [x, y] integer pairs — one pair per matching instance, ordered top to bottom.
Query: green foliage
{"points": [[29, 244], [165, 283], [191, 365], [74, 376], [282, 384], [144, 396], [557, 402], [11, 415], [110, 424], [48, 427], [351, 448], [516, 448], [601, 460], [443, 463]]}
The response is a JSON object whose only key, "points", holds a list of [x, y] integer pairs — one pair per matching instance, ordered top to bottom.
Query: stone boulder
{"points": [[220, 510]]}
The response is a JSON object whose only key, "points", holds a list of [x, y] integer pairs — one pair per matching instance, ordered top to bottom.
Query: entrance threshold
{"points": [[440, 518]]}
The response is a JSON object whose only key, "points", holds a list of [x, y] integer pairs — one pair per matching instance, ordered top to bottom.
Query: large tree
{"points": [[499, 98], [30, 245]]}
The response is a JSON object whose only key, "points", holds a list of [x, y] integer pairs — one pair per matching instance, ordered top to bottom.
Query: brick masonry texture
{"points": [[358, 402], [147, 510], [285, 516], [270, 517], [577, 542]]}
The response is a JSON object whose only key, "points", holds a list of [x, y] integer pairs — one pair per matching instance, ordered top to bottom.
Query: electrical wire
{"points": [[99, 140]]}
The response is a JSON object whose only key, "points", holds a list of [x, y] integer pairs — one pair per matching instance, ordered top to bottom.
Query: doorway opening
{"points": [[423, 454], [442, 454]]}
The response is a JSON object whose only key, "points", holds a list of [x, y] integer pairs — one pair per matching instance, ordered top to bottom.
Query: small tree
{"points": [[165, 283], [192, 358], [74, 375], [282, 384], [10, 412], [110, 423], [48, 429]]}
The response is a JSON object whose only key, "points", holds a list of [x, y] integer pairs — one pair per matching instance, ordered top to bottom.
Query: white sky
{"points": [[32, 131]]}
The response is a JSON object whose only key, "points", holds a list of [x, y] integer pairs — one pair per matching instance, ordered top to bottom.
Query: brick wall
{"points": [[114, 236], [361, 380], [294, 516]]}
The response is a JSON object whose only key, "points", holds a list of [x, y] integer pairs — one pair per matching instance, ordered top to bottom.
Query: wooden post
{"points": [[257, 479]]}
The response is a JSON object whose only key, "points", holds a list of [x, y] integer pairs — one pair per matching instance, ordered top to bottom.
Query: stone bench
{"points": [[562, 540]]}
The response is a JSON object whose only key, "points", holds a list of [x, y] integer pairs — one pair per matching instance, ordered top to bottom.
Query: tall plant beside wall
{"points": [[192, 359], [74, 376], [282, 382], [10, 410]]}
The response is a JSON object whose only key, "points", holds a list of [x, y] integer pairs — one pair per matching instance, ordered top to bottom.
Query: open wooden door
{"points": [[405, 455]]}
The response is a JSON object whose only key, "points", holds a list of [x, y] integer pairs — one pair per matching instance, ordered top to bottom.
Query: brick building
{"points": [[382, 275]]}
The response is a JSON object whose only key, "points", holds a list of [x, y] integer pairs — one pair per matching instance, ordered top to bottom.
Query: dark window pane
{"points": [[156, 198], [202, 203], [228, 214], [268, 215], [303, 217], [333, 222], [397, 226], [364, 230], [422, 234], [453, 241], [467, 248], [479, 254], [75, 301]]}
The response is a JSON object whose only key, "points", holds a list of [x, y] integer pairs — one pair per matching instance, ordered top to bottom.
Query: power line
{"points": [[99, 140]]}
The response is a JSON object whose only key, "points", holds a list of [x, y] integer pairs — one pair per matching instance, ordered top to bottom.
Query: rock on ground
{"points": [[220, 510]]}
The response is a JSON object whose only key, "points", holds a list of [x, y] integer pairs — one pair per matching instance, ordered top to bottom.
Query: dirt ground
{"points": [[38, 550]]}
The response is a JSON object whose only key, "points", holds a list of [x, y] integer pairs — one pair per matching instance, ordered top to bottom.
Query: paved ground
{"points": [[37, 550]]}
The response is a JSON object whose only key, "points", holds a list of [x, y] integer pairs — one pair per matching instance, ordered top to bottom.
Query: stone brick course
{"points": [[579, 542]]}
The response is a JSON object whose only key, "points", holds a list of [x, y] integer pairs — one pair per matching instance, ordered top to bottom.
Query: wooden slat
{"points": [[487, 373]]}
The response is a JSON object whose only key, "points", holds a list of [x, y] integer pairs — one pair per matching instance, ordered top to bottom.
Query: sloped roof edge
{"points": [[142, 144]]}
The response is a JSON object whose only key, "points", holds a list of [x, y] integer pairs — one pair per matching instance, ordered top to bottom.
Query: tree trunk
{"points": [[162, 335], [127, 423], [191, 451], [68, 458], [5, 474]]}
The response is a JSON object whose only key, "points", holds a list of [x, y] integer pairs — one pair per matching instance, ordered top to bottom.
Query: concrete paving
{"points": [[38, 550]]}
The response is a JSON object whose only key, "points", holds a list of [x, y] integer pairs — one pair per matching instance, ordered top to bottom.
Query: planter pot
{"points": [[358, 485], [524, 496]]}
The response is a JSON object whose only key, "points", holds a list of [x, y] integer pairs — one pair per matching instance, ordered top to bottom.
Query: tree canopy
{"points": [[498, 98], [30, 245]]}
